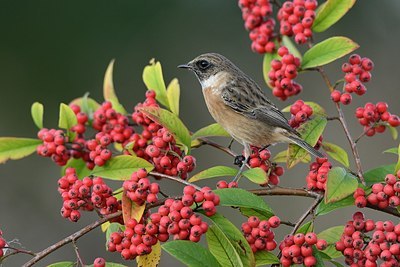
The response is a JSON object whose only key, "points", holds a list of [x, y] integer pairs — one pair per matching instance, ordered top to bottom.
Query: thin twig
{"points": [[332, 118], [342, 120], [364, 133], [173, 178], [283, 191], [305, 214], [75, 236], [16, 251], [78, 255]]}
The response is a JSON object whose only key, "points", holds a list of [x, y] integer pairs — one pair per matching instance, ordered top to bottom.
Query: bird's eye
{"points": [[203, 64]]}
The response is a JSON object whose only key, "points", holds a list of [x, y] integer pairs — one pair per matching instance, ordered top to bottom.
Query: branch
{"points": [[342, 120], [173, 178], [283, 191], [305, 214], [71, 238], [14, 252]]}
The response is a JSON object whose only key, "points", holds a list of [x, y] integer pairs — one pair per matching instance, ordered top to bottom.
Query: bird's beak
{"points": [[184, 66]]}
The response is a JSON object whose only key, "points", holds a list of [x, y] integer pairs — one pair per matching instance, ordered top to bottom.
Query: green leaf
{"points": [[330, 13], [286, 41], [328, 51], [268, 57], [154, 80], [109, 91], [173, 94], [87, 104], [37, 114], [67, 119], [170, 121], [211, 130], [310, 131], [393, 132], [17, 148], [392, 150], [337, 153], [281, 156], [79, 165], [121, 167], [397, 168], [216, 171], [256, 175], [377, 175], [339, 185], [242, 198], [325, 208], [131, 209], [306, 228], [331, 235], [236, 238], [221, 247], [190, 253], [332, 253], [318, 256], [265, 257], [62, 264], [337, 264]]}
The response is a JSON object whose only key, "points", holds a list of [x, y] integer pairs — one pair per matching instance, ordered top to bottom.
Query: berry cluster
{"points": [[256, 14], [296, 18], [357, 73], [282, 74], [300, 113], [373, 116], [81, 117], [107, 121], [54, 145], [158, 145], [99, 153], [261, 158], [316, 178], [139, 189], [87, 194], [382, 195], [174, 218], [259, 234], [3, 243], [362, 247], [298, 249]]}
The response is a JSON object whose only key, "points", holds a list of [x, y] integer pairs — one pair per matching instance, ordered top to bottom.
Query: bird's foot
{"points": [[239, 159]]}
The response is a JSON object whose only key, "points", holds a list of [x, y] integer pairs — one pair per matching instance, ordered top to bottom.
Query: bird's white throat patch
{"points": [[215, 82]]}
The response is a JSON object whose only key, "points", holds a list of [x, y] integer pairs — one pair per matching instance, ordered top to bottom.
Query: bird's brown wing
{"points": [[255, 108]]}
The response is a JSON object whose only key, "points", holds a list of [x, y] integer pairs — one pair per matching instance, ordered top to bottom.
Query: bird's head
{"points": [[208, 65]]}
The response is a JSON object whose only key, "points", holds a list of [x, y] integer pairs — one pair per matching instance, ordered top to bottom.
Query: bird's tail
{"points": [[306, 146]]}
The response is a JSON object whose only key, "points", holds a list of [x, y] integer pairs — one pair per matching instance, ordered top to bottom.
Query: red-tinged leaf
{"points": [[330, 13], [328, 51], [154, 80], [109, 91], [37, 114], [173, 124], [17, 148], [339, 185], [131, 210]]}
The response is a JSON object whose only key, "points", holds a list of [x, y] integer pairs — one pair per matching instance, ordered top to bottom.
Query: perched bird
{"points": [[239, 105]]}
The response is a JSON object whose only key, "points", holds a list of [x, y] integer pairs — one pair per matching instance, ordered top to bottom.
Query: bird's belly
{"points": [[240, 127]]}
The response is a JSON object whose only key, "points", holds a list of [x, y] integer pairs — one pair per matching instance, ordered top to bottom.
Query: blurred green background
{"points": [[54, 51]]}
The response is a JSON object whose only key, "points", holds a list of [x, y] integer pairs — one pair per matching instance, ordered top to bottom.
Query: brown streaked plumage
{"points": [[239, 105]]}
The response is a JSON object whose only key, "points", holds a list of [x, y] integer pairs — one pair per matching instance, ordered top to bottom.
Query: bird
{"points": [[241, 107]]}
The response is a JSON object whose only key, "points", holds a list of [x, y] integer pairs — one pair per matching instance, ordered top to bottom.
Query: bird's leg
{"points": [[230, 143], [264, 147], [246, 159]]}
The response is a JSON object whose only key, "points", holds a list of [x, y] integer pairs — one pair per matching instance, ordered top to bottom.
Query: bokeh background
{"points": [[54, 51]]}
